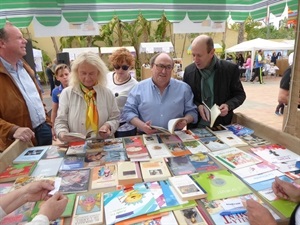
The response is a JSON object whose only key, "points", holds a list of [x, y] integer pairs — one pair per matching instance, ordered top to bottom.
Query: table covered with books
{"points": [[198, 176]]}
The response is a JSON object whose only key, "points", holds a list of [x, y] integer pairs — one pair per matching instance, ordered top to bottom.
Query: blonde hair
{"points": [[92, 59]]}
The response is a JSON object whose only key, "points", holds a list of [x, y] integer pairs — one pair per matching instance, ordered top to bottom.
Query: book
{"points": [[211, 113], [171, 126], [239, 130], [201, 133], [186, 135], [81, 136], [168, 138], [150, 139], [231, 139], [254, 140], [133, 141], [213, 143], [113, 144], [195, 146], [77, 148], [178, 149], [158, 150], [55, 151], [136, 151], [32, 154], [115, 156], [234, 158], [92, 159], [72, 162], [203, 163], [180, 165], [47, 167], [154, 170], [14, 171], [129, 173], [104, 176], [263, 176], [74, 181], [221, 184], [265, 184], [186, 188], [157, 193], [171, 198], [129, 202], [88, 209], [19, 216], [189, 216], [149, 218]]}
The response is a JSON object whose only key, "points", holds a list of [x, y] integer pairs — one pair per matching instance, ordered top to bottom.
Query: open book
{"points": [[211, 113], [171, 126], [90, 134]]}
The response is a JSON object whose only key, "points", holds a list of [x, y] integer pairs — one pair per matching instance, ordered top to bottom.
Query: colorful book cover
{"points": [[239, 130], [202, 133], [186, 135], [168, 138], [150, 139], [231, 139], [254, 140], [133, 141], [114, 144], [214, 144], [94, 145], [195, 147], [77, 149], [178, 149], [158, 150], [55, 151], [136, 151], [275, 153], [32, 154], [115, 156], [234, 158], [92, 159], [72, 162], [203, 162], [180, 165], [47, 167], [154, 170], [12, 172], [129, 173], [104, 176], [74, 180], [221, 184], [265, 184], [157, 193], [169, 196], [128, 203], [88, 209], [217, 209], [19, 216], [189, 216]]}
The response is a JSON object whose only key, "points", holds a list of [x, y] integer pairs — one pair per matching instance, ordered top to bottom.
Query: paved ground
{"points": [[260, 103]]}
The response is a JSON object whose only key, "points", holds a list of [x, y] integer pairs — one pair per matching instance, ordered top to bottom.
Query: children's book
{"points": [[211, 113], [171, 126], [239, 130], [201, 133], [186, 135], [150, 139], [231, 139], [254, 140], [214, 143], [113, 144], [195, 146], [178, 149], [158, 150], [275, 153], [32, 154], [234, 158], [72, 162], [203, 163], [180, 165], [47, 167], [154, 170], [12, 172], [129, 173], [104, 176], [74, 181], [221, 184], [5, 188], [186, 188], [157, 193], [129, 202], [88, 209], [221, 210], [19, 216], [189, 216], [151, 218]]}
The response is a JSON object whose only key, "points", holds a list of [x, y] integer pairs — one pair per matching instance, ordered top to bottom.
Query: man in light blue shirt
{"points": [[158, 99]]}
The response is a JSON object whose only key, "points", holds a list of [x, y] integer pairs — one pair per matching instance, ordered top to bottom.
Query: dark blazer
{"points": [[227, 87]]}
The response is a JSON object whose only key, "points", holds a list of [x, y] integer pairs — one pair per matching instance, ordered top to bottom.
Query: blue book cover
{"points": [[239, 130], [202, 132], [113, 144], [32, 154], [72, 162], [203, 162], [180, 165], [73, 181], [259, 186], [168, 193], [128, 203]]}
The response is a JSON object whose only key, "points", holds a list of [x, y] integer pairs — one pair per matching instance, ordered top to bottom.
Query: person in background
{"points": [[274, 58], [291, 58], [240, 60], [247, 65], [258, 66], [62, 72], [50, 76], [213, 81], [120, 83], [158, 99], [87, 105], [22, 112], [50, 210], [259, 215]]}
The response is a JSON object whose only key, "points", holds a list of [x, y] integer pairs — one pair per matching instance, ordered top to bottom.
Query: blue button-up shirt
{"points": [[146, 103]]}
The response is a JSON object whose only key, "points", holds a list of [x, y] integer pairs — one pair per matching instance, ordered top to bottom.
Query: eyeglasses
{"points": [[124, 67], [160, 67]]}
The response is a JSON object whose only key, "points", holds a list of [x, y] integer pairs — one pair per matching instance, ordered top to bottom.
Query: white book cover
{"points": [[186, 135], [150, 139], [231, 139], [195, 147], [79, 149], [158, 150], [32, 154], [234, 158], [286, 166], [47, 167], [255, 169], [154, 170], [262, 177], [268, 194]]}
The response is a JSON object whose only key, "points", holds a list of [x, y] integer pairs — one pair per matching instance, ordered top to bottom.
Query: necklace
{"points": [[119, 80]]}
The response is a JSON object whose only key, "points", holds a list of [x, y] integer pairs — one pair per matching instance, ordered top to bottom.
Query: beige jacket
{"points": [[71, 116]]}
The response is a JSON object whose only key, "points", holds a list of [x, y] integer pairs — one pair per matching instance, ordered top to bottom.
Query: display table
{"points": [[261, 130]]}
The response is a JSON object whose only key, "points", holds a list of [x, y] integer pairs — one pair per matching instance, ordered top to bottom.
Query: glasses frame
{"points": [[124, 67], [161, 67]]}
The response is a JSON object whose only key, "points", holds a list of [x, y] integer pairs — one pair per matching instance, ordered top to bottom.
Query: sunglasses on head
{"points": [[124, 67]]}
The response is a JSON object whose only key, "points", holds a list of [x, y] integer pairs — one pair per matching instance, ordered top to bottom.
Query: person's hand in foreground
{"points": [[286, 190], [258, 214]]}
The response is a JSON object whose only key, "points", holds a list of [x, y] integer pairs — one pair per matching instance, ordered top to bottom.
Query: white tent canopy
{"points": [[259, 43], [152, 47], [109, 50]]}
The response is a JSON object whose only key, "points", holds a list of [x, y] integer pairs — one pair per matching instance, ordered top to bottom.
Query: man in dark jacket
{"points": [[213, 81]]}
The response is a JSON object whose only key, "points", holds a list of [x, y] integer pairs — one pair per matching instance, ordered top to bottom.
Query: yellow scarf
{"points": [[92, 113]]}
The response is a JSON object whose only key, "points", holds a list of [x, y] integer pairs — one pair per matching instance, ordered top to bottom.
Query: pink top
{"points": [[248, 63]]}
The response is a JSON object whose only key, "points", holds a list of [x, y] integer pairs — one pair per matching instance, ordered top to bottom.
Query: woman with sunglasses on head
{"points": [[61, 72], [120, 82], [87, 105]]}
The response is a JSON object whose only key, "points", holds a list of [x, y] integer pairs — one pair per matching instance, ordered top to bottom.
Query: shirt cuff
{"points": [[40, 219]]}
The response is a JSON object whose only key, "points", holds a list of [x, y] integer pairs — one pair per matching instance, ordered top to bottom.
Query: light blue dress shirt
{"points": [[30, 93], [146, 103]]}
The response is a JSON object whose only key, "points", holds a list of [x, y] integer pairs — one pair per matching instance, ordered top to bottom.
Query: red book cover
{"points": [[136, 151], [14, 171]]}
